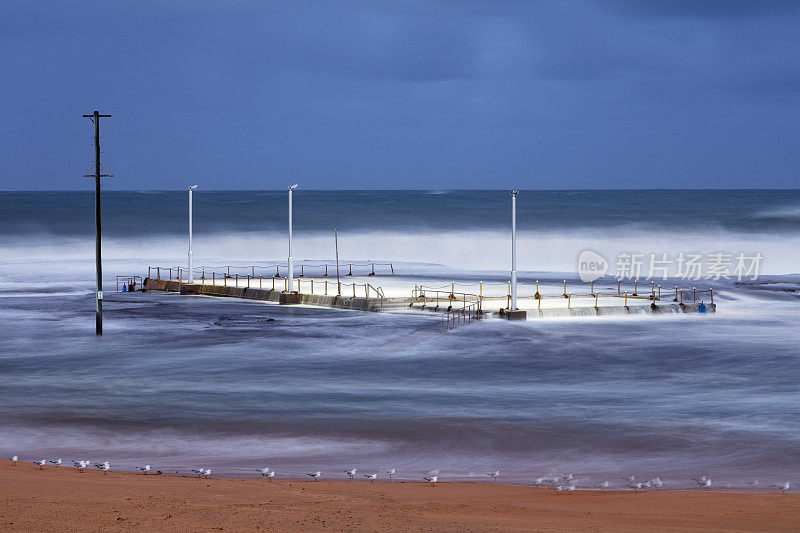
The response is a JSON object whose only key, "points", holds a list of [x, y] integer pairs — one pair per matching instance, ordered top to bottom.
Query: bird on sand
{"points": [[13, 460], [56, 462], [40, 463], [80, 465], [105, 467], [144, 469], [199, 471], [263, 471], [206, 473], [351, 473], [390, 473], [270, 475], [316, 475], [494, 475], [371, 477], [431, 479], [703, 481], [604, 485], [635, 486], [783, 487]]}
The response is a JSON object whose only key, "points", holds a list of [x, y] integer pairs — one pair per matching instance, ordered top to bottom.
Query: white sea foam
{"points": [[459, 250]]}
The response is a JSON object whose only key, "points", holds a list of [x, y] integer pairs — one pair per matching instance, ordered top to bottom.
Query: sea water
{"points": [[182, 382]]}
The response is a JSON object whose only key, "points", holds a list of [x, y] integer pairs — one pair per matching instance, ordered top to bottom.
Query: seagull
{"points": [[13, 460], [56, 462], [40, 463], [80, 465], [105, 467], [145, 469], [199, 471], [263, 471], [207, 472], [351, 473], [390, 473], [270, 475], [316, 475], [494, 475], [371, 477], [432, 480], [703, 481], [657, 483], [754, 483], [604, 485], [646, 485], [635, 486], [783, 487], [569, 488]]}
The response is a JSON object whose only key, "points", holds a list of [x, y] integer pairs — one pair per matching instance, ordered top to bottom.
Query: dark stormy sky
{"points": [[403, 95]]}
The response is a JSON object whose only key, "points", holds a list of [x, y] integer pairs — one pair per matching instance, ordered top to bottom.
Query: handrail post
{"points": [[148, 272], [170, 274], [213, 278], [618, 282], [326, 283], [635, 287], [565, 289], [694, 294], [712, 295], [626, 298]]}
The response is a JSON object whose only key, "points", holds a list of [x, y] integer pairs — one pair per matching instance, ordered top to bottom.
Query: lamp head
{"points": [[192, 187], [293, 187], [514, 192]]}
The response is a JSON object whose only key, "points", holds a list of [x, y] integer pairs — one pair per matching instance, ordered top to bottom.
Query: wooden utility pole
{"points": [[95, 117]]}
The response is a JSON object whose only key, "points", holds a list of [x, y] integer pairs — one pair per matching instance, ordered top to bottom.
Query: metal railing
{"points": [[320, 270], [129, 283]]}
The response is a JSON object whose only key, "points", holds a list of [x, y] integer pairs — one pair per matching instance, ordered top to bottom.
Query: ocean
{"points": [[182, 382]]}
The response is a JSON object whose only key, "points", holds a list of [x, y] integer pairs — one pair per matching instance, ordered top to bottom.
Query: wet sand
{"points": [[61, 499]]}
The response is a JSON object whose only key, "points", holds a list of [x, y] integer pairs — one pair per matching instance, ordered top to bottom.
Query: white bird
{"points": [[13, 460], [56, 462], [40, 463], [80, 465], [105, 467], [144, 469], [199, 471], [263, 471], [207, 472], [351, 473], [390, 473], [270, 475], [316, 475], [494, 475], [371, 477], [431, 479], [703, 481], [657, 483], [754, 483], [604, 485], [646, 485], [635, 486], [783, 487], [569, 488]]}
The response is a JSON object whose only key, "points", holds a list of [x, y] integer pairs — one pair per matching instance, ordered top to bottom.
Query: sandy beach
{"points": [[61, 499]]}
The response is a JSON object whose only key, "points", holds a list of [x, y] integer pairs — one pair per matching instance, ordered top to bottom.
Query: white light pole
{"points": [[514, 193], [291, 263], [191, 274]]}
